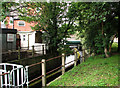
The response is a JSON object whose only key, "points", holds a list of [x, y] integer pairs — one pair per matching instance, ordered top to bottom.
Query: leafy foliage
{"points": [[53, 20], [97, 24]]}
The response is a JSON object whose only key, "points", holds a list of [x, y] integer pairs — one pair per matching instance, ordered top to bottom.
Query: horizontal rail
{"points": [[39, 45], [34, 46], [39, 50], [69, 54], [53, 58], [70, 62], [10, 64], [34, 64], [69, 66], [53, 69], [54, 73], [4, 74], [46, 77], [35, 78]]}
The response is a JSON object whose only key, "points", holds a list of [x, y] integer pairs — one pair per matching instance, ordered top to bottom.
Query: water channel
{"points": [[68, 67]]}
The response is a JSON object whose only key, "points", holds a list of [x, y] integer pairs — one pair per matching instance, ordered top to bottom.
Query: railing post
{"points": [[28, 47], [43, 49], [33, 51], [89, 51], [18, 52], [83, 55], [75, 58], [63, 63], [43, 72], [5, 75], [1, 80], [27, 81]]}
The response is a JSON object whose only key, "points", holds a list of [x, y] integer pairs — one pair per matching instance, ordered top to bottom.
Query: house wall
{"points": [[27, 26], [26, 33], [31, 35], [24, 38], [7, 44]]}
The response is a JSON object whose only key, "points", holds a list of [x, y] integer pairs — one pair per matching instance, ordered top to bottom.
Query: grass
{"points": [[114, 47], [96, 71]]}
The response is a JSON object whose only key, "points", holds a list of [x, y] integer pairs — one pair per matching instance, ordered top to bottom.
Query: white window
{"points": [[11, 21], [21, 23], [3, 24], [23, 37]]}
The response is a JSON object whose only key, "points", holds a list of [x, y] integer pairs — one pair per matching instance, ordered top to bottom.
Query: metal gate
{"points": [[13, 75]]}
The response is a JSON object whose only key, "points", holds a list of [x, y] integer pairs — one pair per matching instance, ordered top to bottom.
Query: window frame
{"points": [[21, 21], [24, 37]]}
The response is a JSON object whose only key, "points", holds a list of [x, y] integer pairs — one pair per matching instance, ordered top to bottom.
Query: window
{"points": [[11, 21], [21, 23], [3, 24], [23, 37], [38, 37]]}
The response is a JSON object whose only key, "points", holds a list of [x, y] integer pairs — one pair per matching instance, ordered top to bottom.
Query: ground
{"points": [[96, 71]]}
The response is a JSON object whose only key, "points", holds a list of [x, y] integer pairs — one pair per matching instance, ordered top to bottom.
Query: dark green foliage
{"points": [[53, 20], [98, 23], [99, 44]]}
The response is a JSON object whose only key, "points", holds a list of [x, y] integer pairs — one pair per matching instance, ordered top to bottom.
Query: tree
{"points": [[52, 19], [97, 25]]}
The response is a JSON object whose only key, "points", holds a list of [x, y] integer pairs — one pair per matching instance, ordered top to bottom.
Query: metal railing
{"points": [[23, 52], [12, 75]]}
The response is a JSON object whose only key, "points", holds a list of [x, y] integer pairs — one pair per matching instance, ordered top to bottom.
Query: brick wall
{"points": [[27, 26]]}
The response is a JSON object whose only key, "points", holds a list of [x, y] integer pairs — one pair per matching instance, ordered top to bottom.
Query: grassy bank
{"points": [[96, 71]]}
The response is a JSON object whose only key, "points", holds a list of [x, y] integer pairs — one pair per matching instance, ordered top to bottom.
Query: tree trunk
{"points": [[119, 29], [119, 34], [111, 43], [105, 47], [106, 52]]}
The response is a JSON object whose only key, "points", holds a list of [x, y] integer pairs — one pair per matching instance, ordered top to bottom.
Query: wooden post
{"points": [[28, 41], [28, 47], [43, 49], [33, 51], [89, 51], [18, 52], [83, 55], [75, 58], [63, 63], [43, 72], [27, 82]]}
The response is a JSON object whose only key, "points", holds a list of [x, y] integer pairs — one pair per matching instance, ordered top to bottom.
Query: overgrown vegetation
{"points": [[98, 24], [96, 71]]}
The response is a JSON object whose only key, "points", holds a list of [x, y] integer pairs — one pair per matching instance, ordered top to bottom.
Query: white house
{"points": [[28, 37]]}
